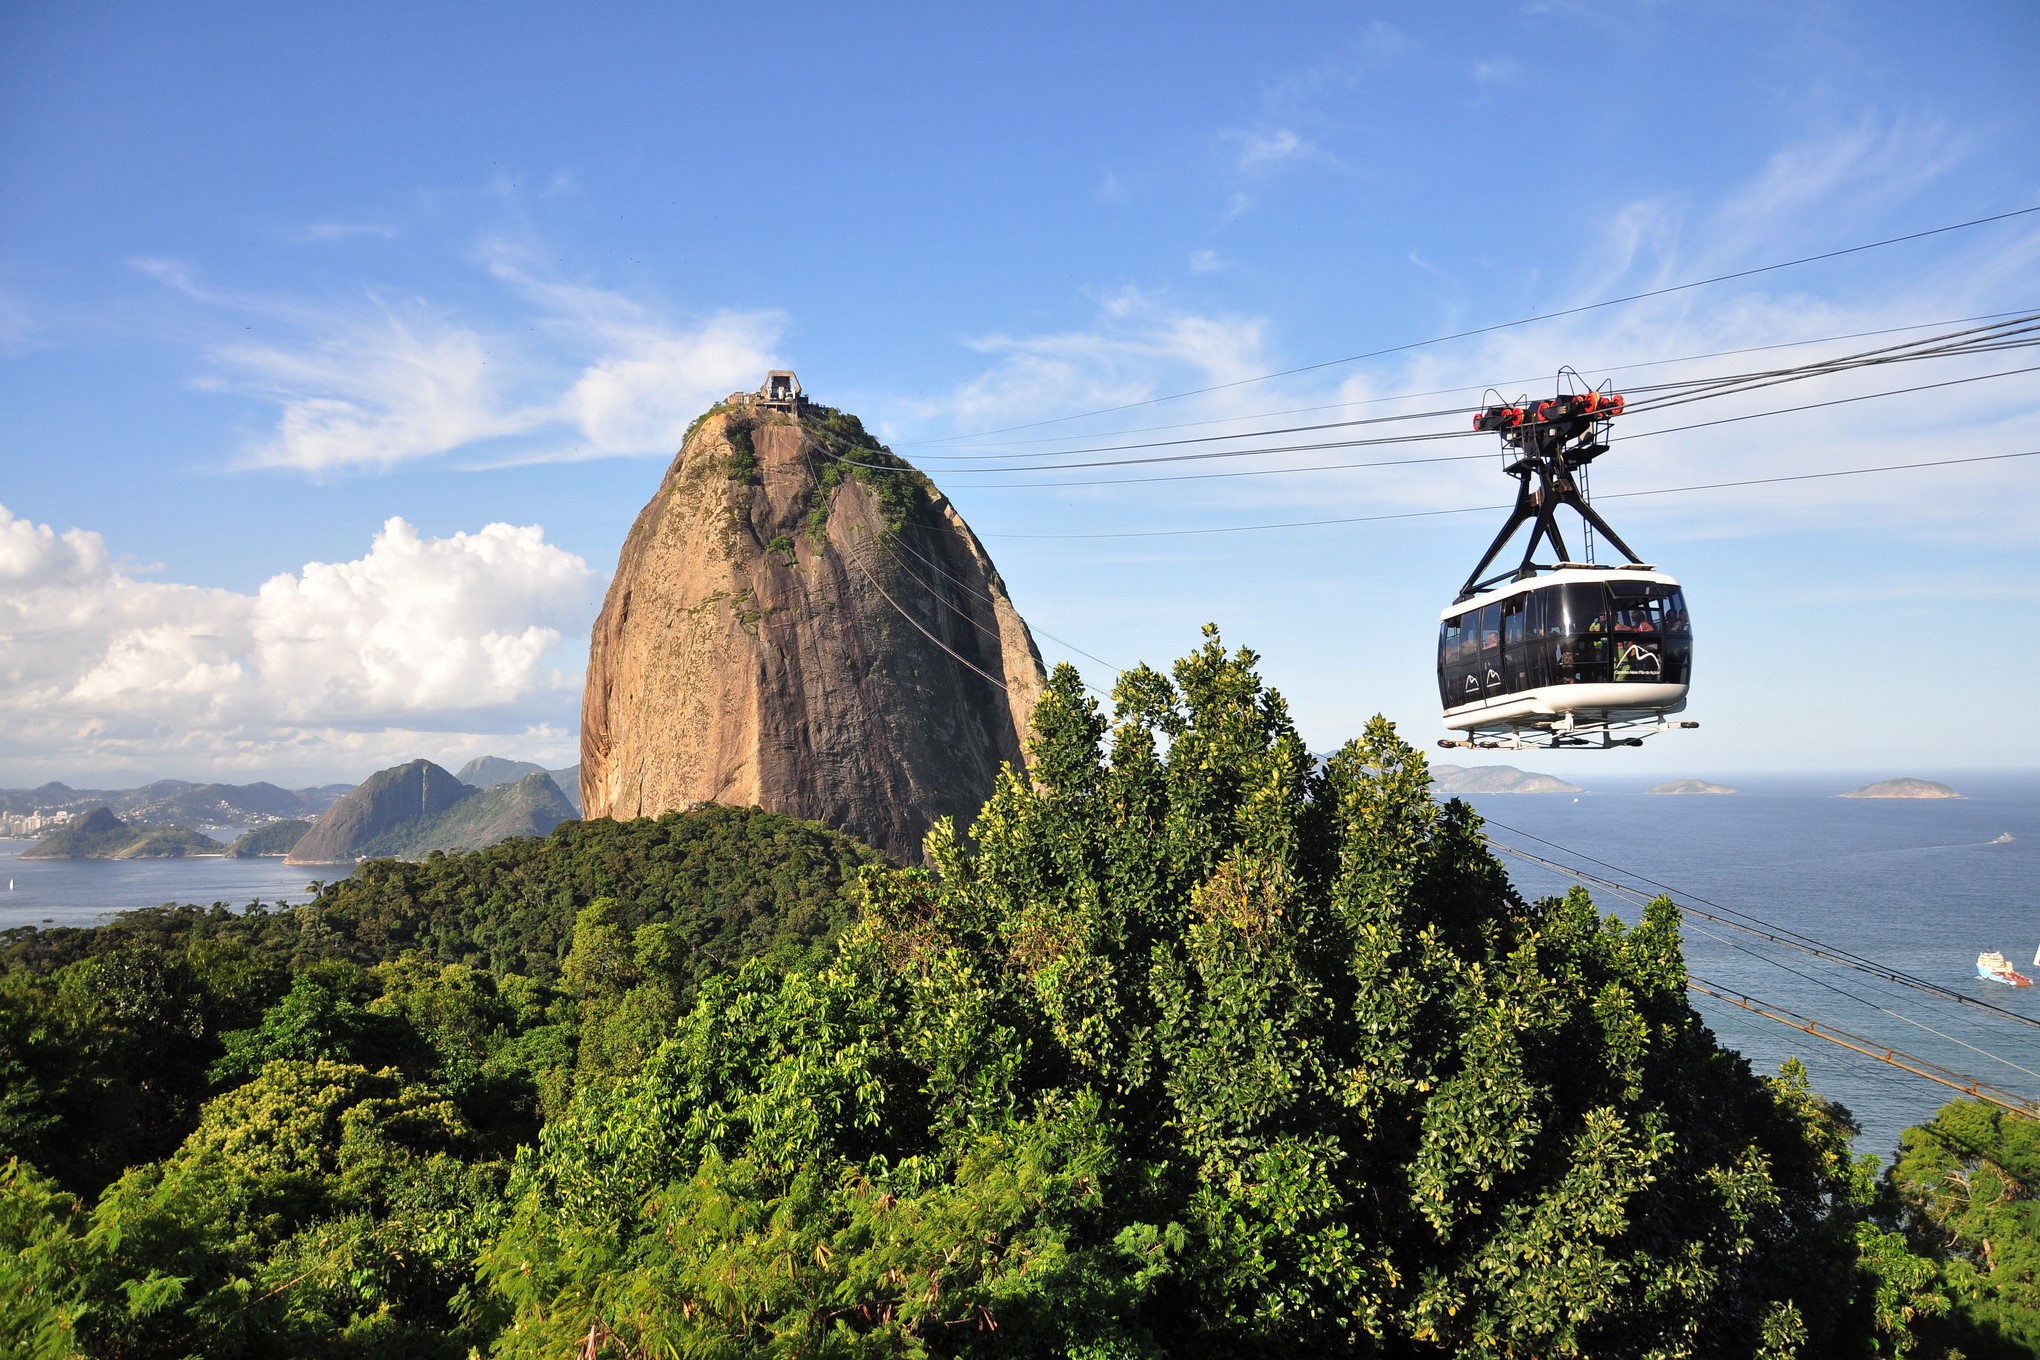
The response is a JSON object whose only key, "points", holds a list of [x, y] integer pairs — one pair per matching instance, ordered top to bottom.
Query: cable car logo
{"points": [[1635, 661]]}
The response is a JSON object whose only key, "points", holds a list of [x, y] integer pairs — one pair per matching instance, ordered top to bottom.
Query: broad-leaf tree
{"points": [[1199, 1045]]}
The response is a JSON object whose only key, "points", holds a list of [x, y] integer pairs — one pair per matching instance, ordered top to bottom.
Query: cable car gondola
{"points": [[1562, 653]]}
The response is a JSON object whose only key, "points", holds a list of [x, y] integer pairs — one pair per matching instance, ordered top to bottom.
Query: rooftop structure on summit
{"points": [[779, 392]]}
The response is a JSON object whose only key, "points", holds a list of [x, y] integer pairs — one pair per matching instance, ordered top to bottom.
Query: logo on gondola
{"points": [[1635, 661]]}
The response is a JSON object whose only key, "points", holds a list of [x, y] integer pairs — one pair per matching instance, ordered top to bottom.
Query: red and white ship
{"points": [[1992, 966]]}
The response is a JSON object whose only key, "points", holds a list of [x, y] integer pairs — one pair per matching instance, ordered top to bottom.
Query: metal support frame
{"points": [[1556, 440]]}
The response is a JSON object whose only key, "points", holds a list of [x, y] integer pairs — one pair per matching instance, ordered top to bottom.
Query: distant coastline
{"points": [[1691, 786]]}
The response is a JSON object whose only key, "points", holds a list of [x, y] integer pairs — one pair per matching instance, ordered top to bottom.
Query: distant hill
{"points": [[486, 772], [1495, 779], [569, 782], [1691, 786], [1902, 788], [322, 796], [175, 801], [180, 802], [384, 802], [532, 806], [101, 835], [278, 838]]}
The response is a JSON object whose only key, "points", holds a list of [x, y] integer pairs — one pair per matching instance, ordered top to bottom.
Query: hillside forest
{"points": [[1191, 1044]]}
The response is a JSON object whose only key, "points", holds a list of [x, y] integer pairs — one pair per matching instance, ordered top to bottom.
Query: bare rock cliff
{"points": [[800, 621]]}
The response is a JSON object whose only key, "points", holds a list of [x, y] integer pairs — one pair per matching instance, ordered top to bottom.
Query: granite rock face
{"points": [[801, 622], [384, 801]]}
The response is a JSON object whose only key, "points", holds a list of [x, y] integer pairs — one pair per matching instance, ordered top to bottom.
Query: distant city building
{"points": [[32, 823]]}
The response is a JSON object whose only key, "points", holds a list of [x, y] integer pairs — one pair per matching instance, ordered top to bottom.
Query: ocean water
{"points": [[1916, 885], [1921, 886], [84, 892]]}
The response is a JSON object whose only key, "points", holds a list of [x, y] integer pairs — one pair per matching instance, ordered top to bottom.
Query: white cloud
{"points": [[1205, 262], [471, 636]]}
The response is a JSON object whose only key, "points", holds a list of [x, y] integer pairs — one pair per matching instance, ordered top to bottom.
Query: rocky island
{"points": [[1496, 779], [1690, 786], [1902, 788], [101, 835]]}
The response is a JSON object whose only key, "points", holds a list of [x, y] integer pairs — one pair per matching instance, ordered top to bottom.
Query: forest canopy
{"points": [[1191, 1044]]}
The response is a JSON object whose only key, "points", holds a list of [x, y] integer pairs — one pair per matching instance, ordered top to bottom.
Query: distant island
{"points": [[1496, 779], [1690, 786], [1902, 788], [101, 835]]}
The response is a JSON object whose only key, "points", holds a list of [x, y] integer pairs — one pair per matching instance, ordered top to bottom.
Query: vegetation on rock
{"points": [[278, 838]]}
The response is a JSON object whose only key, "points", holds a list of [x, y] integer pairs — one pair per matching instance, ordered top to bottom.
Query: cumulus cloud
{"points": [[469, 637]]}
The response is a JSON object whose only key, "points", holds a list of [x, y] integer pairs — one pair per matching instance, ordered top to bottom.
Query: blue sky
{"points": [[339, 348]]}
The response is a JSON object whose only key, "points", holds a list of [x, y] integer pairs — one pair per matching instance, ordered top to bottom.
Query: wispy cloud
{"points": [[1265, 149], [315, 233], [1205, 262], [1137, 347], [377, 382]]}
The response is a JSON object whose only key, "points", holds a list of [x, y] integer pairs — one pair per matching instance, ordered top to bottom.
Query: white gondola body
{"points": [[1540, 658]]}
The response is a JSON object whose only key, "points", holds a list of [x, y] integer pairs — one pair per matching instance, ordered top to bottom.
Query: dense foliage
{"points": [[1197, 1046], [1202, 1049], [1969, 1183]]}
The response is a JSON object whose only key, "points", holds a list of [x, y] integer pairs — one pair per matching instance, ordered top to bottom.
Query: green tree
{"points": [[1199, 1047], [1968, 1186], [320, 1209], [43, 1264]]}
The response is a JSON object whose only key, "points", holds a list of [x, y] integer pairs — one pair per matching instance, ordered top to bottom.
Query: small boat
{"points": [[2005, 839], [1992, 966]]}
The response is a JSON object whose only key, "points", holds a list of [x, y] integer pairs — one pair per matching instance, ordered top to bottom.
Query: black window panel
{"points": [[1584, 604], [1678, 639], [1515, 649], [1491, 650]]}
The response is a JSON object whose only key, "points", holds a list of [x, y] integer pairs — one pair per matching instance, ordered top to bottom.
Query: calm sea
{"points": [[1916, 885], [84, 892]]}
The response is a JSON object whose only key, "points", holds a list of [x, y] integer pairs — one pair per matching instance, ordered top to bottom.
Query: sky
{"points": [[340, 346]]}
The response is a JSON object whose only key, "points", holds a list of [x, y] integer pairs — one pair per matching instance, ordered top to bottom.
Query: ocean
{"points": [[1917, 885], [1921, 886], [85, 892]]}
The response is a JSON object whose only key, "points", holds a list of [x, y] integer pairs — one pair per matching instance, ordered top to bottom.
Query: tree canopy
{"points": [[1192, 1044], [1197, 1047]]}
